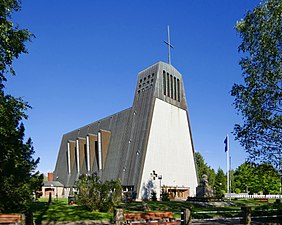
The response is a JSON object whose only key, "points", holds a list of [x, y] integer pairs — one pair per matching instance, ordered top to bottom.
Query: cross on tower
{"points": [[168, 44], [154, 175]]}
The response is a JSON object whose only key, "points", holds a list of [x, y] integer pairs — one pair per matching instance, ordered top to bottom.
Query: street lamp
{"points": [[160, 177]]}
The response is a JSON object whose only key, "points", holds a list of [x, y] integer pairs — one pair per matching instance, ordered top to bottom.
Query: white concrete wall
{"points": [[169, 150]]}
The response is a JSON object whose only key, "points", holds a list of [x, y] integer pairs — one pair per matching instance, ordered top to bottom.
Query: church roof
{"points": [[116, 124]]}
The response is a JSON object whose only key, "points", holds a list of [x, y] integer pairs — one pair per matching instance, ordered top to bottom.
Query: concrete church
{"points": [[147, 146]]}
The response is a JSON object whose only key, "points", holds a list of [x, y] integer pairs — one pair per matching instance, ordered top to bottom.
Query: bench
{"points": [[261, 199], [12, 218], [137, 218]]}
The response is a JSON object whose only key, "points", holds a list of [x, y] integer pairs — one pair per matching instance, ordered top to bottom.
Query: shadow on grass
{"points": [[39, 209], [61, 211]]}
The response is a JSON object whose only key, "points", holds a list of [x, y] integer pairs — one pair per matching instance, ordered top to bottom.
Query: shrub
{"points": [[96, 195], [154, 196], [165, 196]]}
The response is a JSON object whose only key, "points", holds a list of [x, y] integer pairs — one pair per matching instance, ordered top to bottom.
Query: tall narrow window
{"points": [[164, 82], [174, 84], [171, 86], [168, 88], [178, 90], [88, 153], [96, 153], [77, 157], [85, 157], [68, 158], [100, 166]]}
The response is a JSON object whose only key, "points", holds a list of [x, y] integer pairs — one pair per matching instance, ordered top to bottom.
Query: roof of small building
{"points": [[52, 184]]}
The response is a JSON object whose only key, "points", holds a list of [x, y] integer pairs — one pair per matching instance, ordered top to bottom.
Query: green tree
{"points": [[12, 39], [259, 100], [203, 168], [18, 178], [243, 178], [252, 178], [269, 180], [220, 183], [96, 195]]}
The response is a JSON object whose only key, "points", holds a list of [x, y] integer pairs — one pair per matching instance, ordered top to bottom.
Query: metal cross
{"points": [[168, 44], [154, 175]]}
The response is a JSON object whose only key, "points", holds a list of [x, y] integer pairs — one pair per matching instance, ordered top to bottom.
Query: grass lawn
{"points": [[59, 210]]}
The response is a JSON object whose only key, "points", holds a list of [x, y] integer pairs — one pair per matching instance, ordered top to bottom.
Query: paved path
{"points": [[218, 221], [231, 221]]}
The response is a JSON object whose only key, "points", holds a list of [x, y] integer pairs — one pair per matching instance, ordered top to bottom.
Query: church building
{"points": [[148, 146]]}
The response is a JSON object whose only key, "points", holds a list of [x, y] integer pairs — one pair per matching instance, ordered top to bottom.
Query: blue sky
{"points": [[83, 65]]}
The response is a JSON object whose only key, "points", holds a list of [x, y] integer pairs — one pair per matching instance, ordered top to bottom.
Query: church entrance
{"points": [[177, 193]]}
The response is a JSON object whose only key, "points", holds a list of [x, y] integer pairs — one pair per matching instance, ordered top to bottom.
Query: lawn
{"points": [[59, 210]]}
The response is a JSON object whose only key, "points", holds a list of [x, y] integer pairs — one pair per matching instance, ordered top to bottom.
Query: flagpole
{"points": [[227, 161], [230, 176]]}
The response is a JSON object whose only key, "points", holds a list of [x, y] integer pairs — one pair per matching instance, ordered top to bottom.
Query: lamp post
{"points": [[160, 177]]}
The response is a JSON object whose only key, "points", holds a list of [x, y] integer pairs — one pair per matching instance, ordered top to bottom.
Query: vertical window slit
{"points": [[164, 83], [174, 84], [171, 86], [168, 87], [178, 90], [85, 157], [76, 158]]}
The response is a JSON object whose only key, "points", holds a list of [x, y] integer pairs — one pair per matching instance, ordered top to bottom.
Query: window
{"points": [[164, 83], [171, 86], [174, 88], [178, 90], [168, 92], [86, 157], [68, 158], [76, 158], [68, 163]]}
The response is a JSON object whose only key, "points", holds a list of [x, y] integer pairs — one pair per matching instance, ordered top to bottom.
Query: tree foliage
{"points": [[12, 39], [259, 100], [203, 168], [18, 177], [252, 178], [220, 183], [96, 195]]}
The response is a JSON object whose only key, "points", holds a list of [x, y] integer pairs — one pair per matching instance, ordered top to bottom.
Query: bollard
{"points": [[50, 198], [246, 213], [119, 217], [186, 217], [28, 218]]}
